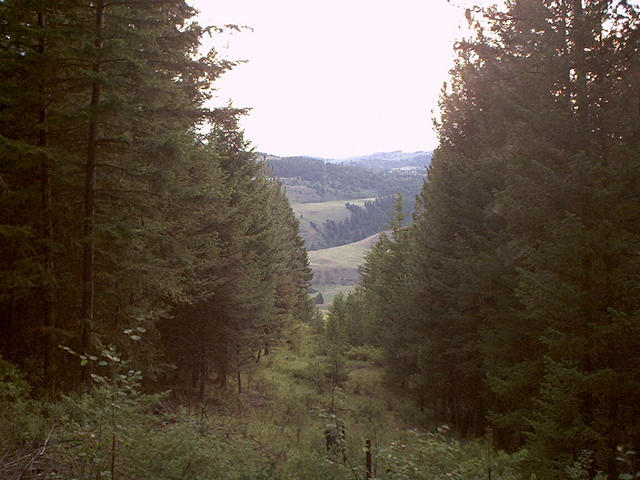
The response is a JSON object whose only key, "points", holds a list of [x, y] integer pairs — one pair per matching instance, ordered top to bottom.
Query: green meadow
{"points": [[320, 212], [313, 215], [335, 269]]}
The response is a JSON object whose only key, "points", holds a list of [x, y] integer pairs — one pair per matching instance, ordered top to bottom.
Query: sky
{"points": [[336, 78]]}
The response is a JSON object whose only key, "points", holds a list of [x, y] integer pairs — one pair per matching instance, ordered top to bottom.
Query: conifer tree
{"points": [[390, 302], [336, 340]]}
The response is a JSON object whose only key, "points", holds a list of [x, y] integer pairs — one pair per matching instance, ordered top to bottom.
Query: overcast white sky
{"points": [[337, 78]]}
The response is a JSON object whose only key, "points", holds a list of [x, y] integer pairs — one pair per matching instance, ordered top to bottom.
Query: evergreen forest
{"points": [[315, 180], [156, 320]]}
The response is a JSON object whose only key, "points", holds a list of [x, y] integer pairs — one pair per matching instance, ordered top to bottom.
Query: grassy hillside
{"points": [[319, 189], [320, 212], [313, 215], [346, 255], [336, 269]]}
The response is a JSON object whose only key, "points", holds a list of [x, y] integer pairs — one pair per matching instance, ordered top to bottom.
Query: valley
{"points": [[343, 205], [176, 305]]}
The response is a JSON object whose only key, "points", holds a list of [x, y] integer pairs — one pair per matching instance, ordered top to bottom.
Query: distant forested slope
{"points": [[389, 160], [314, 180], [371, 218]]}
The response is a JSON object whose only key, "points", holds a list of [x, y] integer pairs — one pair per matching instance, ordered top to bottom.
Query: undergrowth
{"points": [[280, 427]]}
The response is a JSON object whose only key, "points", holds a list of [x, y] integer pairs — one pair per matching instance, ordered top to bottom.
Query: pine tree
{"points": [[33, 76], [388, 294], [336, 340]]}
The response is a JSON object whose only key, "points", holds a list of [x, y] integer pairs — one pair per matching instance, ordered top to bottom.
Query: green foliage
{"points": [[374, 217], [513, 298], [335, 341], [366, 353], [317, 374], [13, 386], [20, 420], [107, 428], [275, 429], [435, 456], [627, 459], [582, 467]]}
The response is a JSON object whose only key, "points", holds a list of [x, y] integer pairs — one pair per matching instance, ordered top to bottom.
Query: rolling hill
{"points": [[389, 160], [312, 217], [336, 269]]}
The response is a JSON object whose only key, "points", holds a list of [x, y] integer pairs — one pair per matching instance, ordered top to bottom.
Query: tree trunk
{"points": [[578, 35], [89, 197], [47, 222], [203, 368], [239, 378], [202, 383], [367, 450]]}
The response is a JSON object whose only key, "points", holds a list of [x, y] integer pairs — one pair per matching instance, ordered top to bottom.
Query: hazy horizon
{"points": [[336, 80], [367, 154]]}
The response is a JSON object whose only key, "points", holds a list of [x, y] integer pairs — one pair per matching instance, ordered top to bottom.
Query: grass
{"points": [[320, 212], [351, 255], [335, 269], [330, 291], [292, 380], [289, 428], [275, 429]]}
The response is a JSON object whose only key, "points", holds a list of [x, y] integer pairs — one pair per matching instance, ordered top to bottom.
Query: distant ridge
{"points": [[389, 160], [379, 161]]}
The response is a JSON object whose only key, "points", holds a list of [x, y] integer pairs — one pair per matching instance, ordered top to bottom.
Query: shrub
{"points": [[366, 353], [314, 373], [23, 425]]}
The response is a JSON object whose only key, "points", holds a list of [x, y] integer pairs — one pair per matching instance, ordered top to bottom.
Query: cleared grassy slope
{"points": [[323, 211], [320, 212], [350, 255], [336, 269]]}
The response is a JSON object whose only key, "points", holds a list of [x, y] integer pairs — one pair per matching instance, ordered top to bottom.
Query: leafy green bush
{"points": [[316, 373], [365, 381], [13, 386], [23, 427], [435, 456]]}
